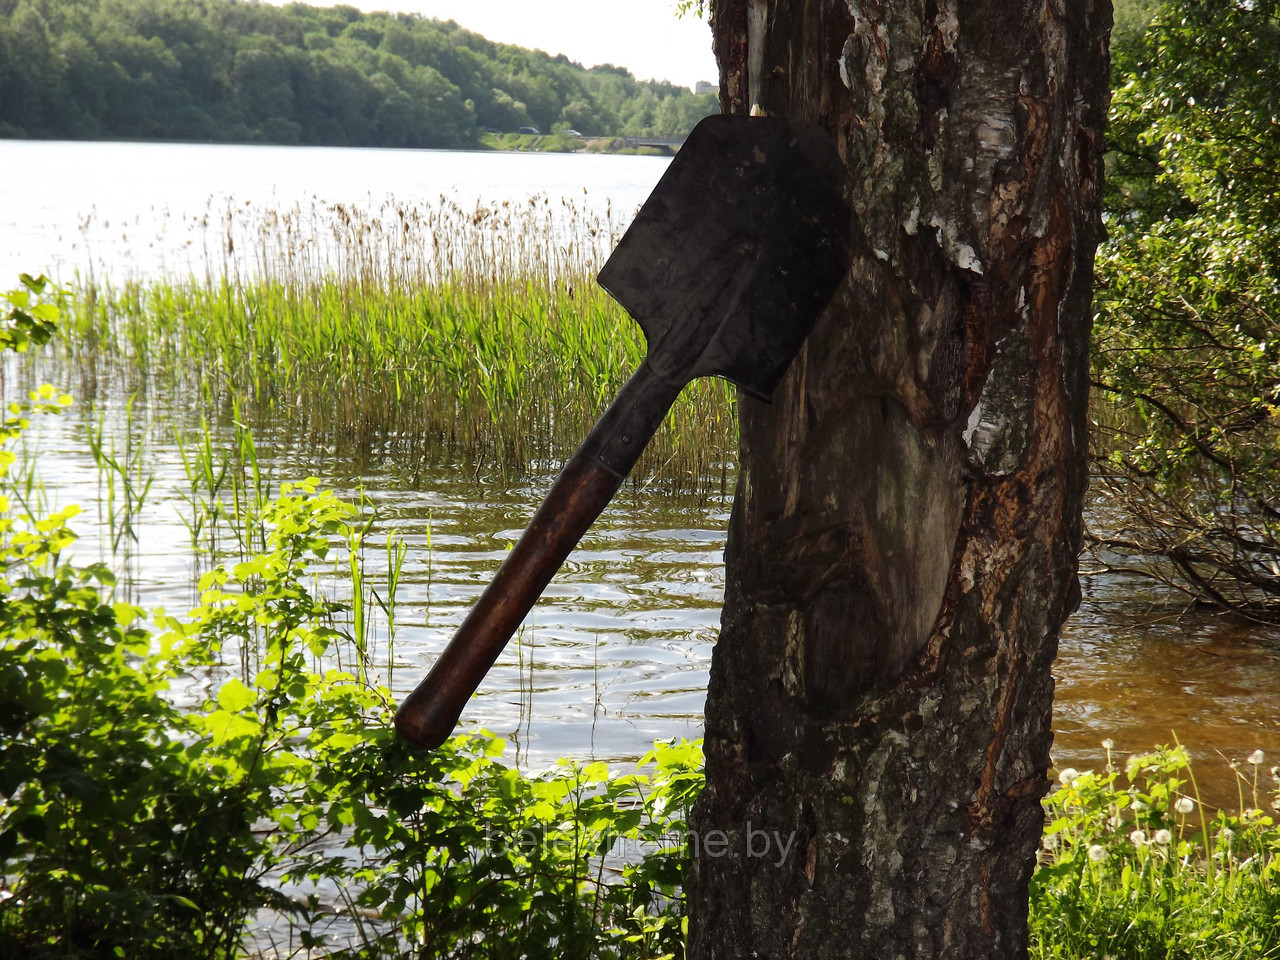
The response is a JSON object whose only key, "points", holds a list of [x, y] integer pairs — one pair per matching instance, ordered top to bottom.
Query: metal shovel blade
{"points": [[735, 254], [727, 267]]}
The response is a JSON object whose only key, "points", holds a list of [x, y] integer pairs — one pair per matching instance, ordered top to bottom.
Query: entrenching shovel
{"points": [[726, 268]]}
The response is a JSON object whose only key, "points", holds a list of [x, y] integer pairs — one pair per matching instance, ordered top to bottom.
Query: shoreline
{"points": [[486, 142]]}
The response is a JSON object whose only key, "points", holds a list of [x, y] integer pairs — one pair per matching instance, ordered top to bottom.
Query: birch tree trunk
{"points": [[902, 551]]}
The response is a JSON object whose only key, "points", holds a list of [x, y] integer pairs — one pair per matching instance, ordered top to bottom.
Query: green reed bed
{"points": [[435, 335]]}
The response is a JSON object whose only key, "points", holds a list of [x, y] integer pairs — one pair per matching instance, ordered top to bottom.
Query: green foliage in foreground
{"points": [[247, 71], [131, 826], [1144, 871]]}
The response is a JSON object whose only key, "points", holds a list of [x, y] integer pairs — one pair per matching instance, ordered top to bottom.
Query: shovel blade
{"points": [[737, 251]]}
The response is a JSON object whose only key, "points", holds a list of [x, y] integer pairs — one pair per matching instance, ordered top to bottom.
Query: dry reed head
{"points": [[393, 242]]}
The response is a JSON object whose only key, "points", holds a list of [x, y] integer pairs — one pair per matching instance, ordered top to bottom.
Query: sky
{"points": [[645, 36]]}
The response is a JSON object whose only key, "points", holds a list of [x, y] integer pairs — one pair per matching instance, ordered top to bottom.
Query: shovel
{"points": [[726, 268]]}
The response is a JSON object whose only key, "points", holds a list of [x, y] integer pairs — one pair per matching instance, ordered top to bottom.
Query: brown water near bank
{"points": [[1135, 664]]}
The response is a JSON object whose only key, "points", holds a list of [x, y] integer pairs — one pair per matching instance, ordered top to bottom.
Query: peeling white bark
{"points": [[757, 18], [959, 252]]}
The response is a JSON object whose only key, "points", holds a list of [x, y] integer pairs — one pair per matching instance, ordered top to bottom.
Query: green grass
{"points": [[436, 335], [1142, 870]]}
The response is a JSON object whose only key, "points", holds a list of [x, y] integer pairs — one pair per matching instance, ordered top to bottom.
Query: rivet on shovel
{"points": [[726, 268]]}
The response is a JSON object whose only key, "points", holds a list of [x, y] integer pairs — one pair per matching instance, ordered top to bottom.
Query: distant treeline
{"points": [[230, 70]]}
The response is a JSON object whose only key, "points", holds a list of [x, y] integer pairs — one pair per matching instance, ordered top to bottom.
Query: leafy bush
{"points": [[1187, 341], [131, 825], [108, 835], [472, 859]]}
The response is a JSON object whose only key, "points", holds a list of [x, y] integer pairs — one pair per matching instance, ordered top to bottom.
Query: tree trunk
{"points": [[903, 547]]}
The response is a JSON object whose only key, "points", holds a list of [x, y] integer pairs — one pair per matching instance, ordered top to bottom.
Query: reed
{"points": [[432, 335]]}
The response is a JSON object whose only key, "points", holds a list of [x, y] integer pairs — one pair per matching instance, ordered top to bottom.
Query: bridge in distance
{"points": [[665, 143]]}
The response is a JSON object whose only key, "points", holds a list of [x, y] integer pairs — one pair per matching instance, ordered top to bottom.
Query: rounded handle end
{"points": [[425, 721]]}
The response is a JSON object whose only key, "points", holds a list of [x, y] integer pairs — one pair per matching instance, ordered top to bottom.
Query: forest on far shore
{"points": [[245, 71]]}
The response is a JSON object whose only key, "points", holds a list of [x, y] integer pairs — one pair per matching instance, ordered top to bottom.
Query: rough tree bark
{"points": [[903, 547]]}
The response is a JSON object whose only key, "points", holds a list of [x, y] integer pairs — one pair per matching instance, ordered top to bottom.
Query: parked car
{"points": [[529, 130], [573, 133]]}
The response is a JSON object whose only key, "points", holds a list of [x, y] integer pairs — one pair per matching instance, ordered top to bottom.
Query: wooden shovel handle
{"points": [[583, 489], [581, 492]]}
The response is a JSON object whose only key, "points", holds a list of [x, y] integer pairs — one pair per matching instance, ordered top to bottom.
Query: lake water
{"points": [[129, 210], [618, 651]]}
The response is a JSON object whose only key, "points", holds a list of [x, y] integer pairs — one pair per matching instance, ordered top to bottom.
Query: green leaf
{"points": [[235, 697]]}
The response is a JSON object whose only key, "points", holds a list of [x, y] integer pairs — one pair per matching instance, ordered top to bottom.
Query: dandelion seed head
{"points": [[1108, 744], [1256, 757], [1068, 776], [1184, 805], [1139, 838], [1162, 838], [1097, 853]]}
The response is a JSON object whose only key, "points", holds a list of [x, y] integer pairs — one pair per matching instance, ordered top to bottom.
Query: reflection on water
{"points": [[616, 654]]}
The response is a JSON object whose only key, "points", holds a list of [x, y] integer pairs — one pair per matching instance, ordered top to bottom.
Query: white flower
{"points": [[1108, 744], [1256, 757], [1068, 776], [1184, 805], [1139, 838], [1163, 838], [1097, 853]]}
